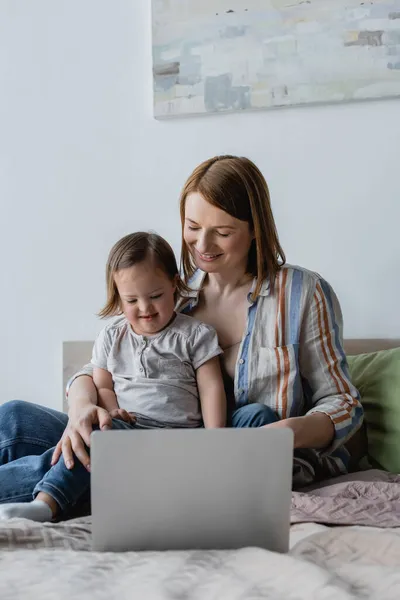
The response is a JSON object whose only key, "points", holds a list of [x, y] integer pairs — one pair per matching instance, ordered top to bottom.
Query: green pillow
{"points": [[377, 377]]}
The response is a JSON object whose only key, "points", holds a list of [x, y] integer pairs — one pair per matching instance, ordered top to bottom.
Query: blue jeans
{"points": [[252, 415], [28, 435]]}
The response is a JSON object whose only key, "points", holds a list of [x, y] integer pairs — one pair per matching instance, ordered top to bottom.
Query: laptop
{"points": [[174, 489]]}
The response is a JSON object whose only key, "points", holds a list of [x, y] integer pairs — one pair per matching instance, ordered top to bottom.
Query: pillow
{"points": [[377, 377]]}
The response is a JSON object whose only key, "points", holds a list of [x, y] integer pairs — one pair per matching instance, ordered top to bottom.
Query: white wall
{"points": [[82, 162]]}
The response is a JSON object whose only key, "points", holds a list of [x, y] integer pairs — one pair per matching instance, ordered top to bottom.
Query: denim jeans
{"points": [[252, 415], [28, 434]]}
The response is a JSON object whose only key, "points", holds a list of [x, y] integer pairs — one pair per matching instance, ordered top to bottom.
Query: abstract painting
{"points": [[228, 55]]}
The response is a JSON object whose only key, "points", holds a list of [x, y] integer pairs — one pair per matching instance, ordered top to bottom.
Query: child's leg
{"points": [[252, 415], [55, 493]]}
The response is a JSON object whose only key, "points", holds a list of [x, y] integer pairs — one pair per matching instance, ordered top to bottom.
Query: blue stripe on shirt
{"points": [[295, 299], [243, 369]]}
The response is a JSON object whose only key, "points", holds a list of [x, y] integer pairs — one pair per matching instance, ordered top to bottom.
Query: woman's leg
{"points": [[252, 415], [28, 429], [27, 433], [65, 487]]}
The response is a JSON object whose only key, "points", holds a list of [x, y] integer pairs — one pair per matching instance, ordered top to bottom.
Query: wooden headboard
{"points": [[77, 354]]}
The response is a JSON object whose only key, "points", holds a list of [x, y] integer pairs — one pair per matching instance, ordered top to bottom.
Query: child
{"points": [[160, 366]]}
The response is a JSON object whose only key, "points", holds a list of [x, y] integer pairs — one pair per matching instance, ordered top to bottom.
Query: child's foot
{"points": [[35, 511]]}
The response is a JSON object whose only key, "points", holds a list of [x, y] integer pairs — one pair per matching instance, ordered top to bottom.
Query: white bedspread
{"points": [[54, 561]]}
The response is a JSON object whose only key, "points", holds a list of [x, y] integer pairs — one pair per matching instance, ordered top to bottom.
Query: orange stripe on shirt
{"points": [[280, 327], [322, 337], [286, 372], [278, 384], [345, 385], [340, 419]]}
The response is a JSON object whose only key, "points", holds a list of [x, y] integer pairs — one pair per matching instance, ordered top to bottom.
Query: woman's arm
{"points": [[103, 381], [81, 392], [212, 393], [334, 409], [335, 412], [83, 415], [311, 431]]}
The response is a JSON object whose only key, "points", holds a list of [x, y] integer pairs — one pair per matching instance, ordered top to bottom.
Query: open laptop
{"points": [[175, 489]]}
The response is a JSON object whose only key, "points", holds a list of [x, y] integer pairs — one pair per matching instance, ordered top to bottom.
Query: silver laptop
{"points": [[175, 489]]}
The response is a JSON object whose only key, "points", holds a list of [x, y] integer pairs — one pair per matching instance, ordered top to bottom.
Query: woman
{"points": [[280, 328]]}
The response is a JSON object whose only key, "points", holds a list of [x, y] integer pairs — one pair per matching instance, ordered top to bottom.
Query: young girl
{"points": [[150, 361], [160, 366]]}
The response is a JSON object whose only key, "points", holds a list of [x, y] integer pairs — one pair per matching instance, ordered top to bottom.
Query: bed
{"points": [[344, 544]]}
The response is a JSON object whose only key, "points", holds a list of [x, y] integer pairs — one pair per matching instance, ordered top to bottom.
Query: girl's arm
{"points": [[212, 393], [107, 399]]}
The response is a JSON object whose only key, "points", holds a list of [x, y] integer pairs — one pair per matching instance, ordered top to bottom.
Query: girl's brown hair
{"points": [[235, 185], [131, 250]]}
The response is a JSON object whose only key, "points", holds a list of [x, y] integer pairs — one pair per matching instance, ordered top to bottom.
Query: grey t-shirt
{"points": [[155, 376]]}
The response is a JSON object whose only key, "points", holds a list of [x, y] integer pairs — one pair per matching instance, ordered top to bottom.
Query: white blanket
{"points": [[54, 561]]}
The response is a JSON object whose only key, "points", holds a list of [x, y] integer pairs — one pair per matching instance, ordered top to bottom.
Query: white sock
{"points": [[37, 510]]}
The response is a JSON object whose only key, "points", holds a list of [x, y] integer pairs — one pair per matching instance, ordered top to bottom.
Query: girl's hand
{"points": [[122, 415], [76, 436]]}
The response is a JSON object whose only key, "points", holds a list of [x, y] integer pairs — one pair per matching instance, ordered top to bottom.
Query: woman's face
{"points": [[217, 241]]}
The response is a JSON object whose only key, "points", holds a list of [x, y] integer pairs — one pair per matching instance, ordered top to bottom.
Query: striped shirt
{"points": [[291, 358]]}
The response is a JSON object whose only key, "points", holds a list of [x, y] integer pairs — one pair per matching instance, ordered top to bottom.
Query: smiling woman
{"points": [[228, 231], [280, 326]]}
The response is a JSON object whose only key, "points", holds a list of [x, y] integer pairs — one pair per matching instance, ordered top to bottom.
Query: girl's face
{"points": [[217, 241], [147, 297]]}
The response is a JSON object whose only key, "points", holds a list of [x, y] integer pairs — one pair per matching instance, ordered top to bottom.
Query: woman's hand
{"points": [[311, 431], [77, 434]]}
